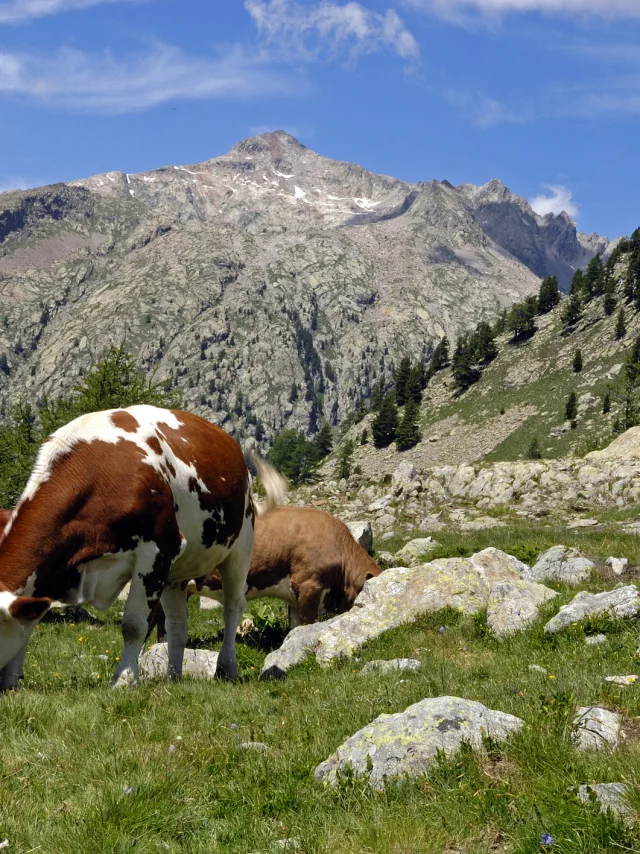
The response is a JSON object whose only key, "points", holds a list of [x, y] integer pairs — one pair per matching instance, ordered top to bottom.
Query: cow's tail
{"points": [[275, 486]]}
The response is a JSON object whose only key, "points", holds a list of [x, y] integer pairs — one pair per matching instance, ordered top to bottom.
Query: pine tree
{"points": [[593, 280], [577, 283], [549, 295], [610, 301], [572, 311], [522, 320], [621, 325], [484, 343], [440, 357], [577, 362], [465, 374], [401, 379], [414, 386], [626, 389], [377, 395], [606, 404], [571, 409], [384, 426], [408, 431], [364, 436], [323, 441], [534, 452], [343, 467]]}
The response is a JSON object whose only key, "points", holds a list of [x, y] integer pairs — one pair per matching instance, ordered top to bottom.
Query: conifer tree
{"points": [[593, 279], [577, 283], [549, 295], [610, 301], [572, 311], [522, 320], [621, 325], [484, 343], [440, 357], [577, 362], [465, 374], [401, 379], [414, 386], [377, 395], [606, 404], [571, 409], [386, 422], [408, 431], [364, 436], [323, 441], [534, 452], [343, 467]]}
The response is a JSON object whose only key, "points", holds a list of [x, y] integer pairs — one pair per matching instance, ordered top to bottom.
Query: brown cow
{"points": [[151, 496], [5, 515], [305, 557]]}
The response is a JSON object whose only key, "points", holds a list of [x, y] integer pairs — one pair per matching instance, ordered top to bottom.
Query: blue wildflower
{"points": [[546, 839]]}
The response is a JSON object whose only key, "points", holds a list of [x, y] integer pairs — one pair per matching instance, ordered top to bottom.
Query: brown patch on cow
{"points": [[124, 420], [155, 445], [172, 468], [5, 515], [316, 551]]}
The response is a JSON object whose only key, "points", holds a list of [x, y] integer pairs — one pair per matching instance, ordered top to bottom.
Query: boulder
{"points": [[625, 447], [405, 477], [362, 533], [416, 551], [385, 560], [562, 564], [618, 564], [399, 595], [619, 603], [207, 604], [595, 640], [200, 663], [391, 666], [622, 680], [595, 728], [408, 743], [612, 797]]}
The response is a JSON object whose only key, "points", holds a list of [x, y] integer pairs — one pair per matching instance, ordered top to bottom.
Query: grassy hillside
{"points": [[159, 768]]}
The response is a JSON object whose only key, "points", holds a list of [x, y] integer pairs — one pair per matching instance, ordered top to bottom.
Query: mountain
{"points": [[271, 286]]}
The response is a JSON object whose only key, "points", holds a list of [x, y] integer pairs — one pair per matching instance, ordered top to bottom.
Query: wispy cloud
{"points": [[25, 10], [459, 10], [325, 29], [104, 83], [483, 111], [18, 182], [556, 199]]}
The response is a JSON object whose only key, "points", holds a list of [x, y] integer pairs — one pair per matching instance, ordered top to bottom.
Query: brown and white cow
{"points": [[147, 495], [5, 515], [306, 558]]}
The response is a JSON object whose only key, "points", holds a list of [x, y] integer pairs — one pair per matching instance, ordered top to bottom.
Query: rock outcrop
{"points": [[616, 604], [408, 743]]}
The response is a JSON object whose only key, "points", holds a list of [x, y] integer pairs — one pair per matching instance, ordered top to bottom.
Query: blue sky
{"points": [[543, 94]]}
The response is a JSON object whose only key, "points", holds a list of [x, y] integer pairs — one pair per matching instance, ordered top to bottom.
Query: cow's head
{"points": [[18, 617]]}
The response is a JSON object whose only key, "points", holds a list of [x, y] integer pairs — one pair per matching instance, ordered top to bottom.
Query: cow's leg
{"points": [[233, 571], [150, 573], [309, 598], [174, 605], [294, 617], [12, 672]]}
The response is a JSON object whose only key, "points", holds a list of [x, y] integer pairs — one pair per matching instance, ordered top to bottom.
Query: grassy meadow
{"points": [[159, 768]]}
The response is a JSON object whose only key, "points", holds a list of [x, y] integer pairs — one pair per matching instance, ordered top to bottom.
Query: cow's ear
{"points": [[27, 608]]}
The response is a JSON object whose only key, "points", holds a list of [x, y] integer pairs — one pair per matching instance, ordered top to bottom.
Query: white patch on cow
{"points": [[102, 579], [282, 590], [6, 600], [321, 606]]}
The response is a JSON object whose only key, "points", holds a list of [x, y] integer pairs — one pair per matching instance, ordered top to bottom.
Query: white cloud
{"points": [[456, 9], [25, 10], [313, 30], [102, 83], [483, 111], [17, 182], [558, 198]]}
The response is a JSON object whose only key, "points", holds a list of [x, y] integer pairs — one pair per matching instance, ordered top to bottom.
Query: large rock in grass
{"points": [[625, 447], [362, 533], [416, 551], [562, 564], [400, 595], [617, 604], [199, 663], [595, 728], [408, 743], [612, 797]]}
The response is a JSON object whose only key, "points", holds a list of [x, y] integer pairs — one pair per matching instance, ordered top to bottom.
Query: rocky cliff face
{"points": [[271, 286]]}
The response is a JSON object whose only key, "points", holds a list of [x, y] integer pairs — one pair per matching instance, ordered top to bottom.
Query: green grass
{"points": [[86, 768]]}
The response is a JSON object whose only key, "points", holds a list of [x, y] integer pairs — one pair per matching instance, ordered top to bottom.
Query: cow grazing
{"points": [[146, 495], [305, 557]]}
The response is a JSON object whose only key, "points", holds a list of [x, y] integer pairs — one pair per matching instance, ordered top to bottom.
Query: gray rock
{"points": [[404, 476], [386, 520], [582, 523], [362, 533], [416, 551], [385, 559], [562, 564], [618, 564], [399, 595], [618, 603], [207, 604], [513, 605], [595, 640], [199, 663], [391, 666], [537, 668], [596, 728], [409, 742], [612, 797]]}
